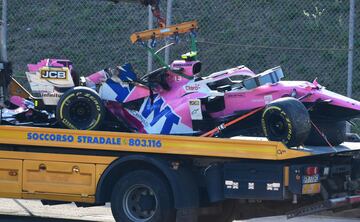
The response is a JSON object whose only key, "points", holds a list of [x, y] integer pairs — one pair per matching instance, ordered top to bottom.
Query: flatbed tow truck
{"points": [[160, 178]]}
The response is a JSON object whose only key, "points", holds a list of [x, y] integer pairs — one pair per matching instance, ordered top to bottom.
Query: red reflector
{"points": [[310, 171], [354, 199]]}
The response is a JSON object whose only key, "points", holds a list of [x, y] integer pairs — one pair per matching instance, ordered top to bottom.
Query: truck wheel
{"points": [[80, 108], [286, 120], [335, 132], [142, 196]]}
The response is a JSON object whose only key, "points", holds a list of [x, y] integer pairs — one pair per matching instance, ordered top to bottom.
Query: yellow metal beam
{"points": [[164, 32], [16, 89], [146, 143], [68, 158], [59, 197]]}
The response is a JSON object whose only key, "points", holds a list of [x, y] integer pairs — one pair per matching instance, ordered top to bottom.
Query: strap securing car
{"points": [[223, 126], [322, 134]]}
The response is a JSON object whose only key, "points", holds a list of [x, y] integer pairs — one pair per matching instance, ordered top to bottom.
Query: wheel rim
{"points": [[81, 112], [277, 125], [140, 203]]}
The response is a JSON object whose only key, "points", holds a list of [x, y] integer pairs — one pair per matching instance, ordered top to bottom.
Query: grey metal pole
{"points": [[168, 22], [150, 26], [351, 47], [350, 51], [4, 56]]}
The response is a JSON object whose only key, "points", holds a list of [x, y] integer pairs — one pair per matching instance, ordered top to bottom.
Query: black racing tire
{"points": [[80, 108], [286, 120], [334, 131], [141, 196]]}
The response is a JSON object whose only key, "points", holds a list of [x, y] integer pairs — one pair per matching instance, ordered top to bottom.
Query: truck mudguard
{"points": [[180, 178]]}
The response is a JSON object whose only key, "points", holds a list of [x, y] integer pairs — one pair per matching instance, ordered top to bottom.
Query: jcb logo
{"points": [[46, 74]]}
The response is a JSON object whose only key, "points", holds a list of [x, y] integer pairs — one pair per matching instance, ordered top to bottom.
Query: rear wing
{"points": [[162, 33]]}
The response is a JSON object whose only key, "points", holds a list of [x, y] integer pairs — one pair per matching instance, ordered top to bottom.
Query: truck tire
{"points": [[80, 108], [286, 120], [335, 132], [142, 196]]}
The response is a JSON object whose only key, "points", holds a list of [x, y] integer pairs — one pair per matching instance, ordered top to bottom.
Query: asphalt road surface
{"points": [[33, 211], [35, 219]]}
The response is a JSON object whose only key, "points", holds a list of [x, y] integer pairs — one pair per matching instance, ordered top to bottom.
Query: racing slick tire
{"points": [[80, 108], [286, 120], [334, 132], [142, 195]]}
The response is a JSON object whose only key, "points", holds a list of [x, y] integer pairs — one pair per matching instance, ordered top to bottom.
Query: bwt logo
{"points": [[48, 74], [157, 112]]}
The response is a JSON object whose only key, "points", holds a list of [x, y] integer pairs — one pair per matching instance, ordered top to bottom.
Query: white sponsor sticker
{"points": [[164, 30], [178, 78], [192, 88], [51, 98], [268, 99], [195, 109], [326, 170], [311, 179], [233, 185], [251, 186], [273, 186]]}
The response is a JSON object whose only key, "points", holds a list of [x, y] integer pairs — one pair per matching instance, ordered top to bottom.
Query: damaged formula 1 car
{"points": [[176, 100]]}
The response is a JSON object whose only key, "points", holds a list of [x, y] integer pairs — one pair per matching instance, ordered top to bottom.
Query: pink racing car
{"points": [[175, 100]]}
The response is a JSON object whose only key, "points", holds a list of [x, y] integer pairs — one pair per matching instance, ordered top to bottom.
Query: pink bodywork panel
{"points": [[47, 62], [137, 93], [260, 96]]}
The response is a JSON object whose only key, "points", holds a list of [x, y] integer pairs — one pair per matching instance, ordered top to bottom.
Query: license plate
{"points": [[311, 179], [311, 188]]}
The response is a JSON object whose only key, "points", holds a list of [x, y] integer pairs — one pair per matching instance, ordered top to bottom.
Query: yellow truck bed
{"points": [[249, 148], [72, 165]]}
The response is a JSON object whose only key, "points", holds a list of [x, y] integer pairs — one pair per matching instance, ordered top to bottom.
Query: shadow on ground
{"points": [[6, 218]]}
